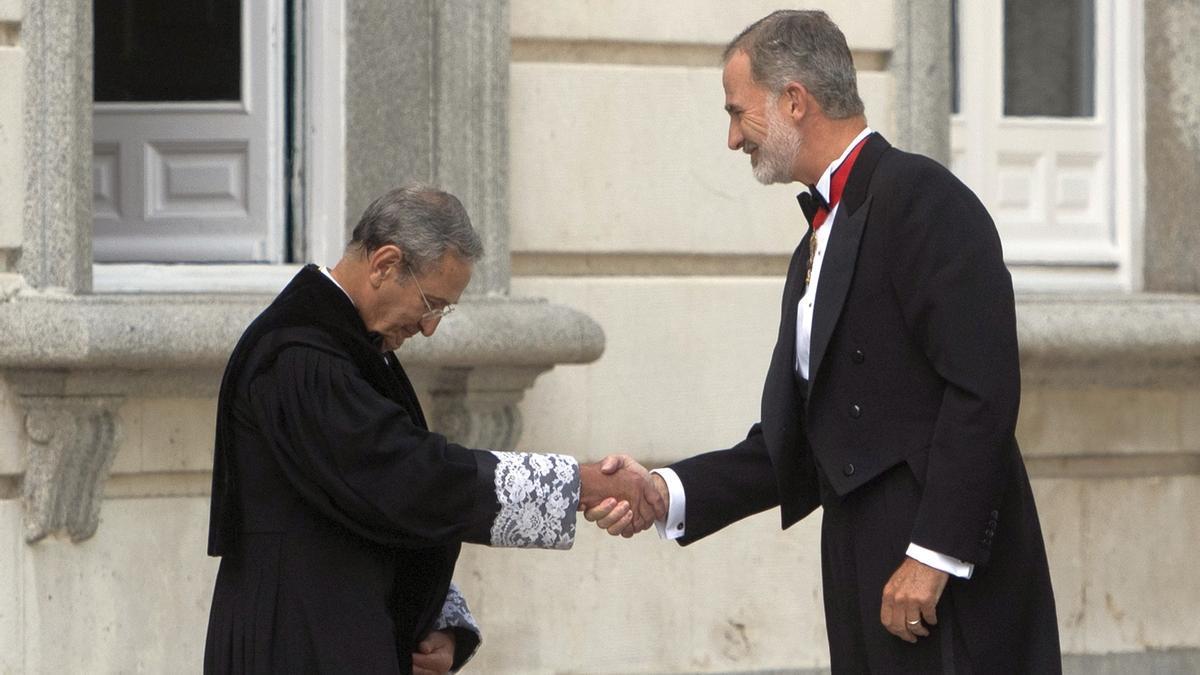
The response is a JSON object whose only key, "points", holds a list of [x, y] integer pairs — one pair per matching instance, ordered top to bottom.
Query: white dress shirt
{"points": [[674, 527]]}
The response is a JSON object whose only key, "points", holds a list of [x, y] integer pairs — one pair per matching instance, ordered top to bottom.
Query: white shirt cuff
{"points": [[672, 527], [940, 561]]}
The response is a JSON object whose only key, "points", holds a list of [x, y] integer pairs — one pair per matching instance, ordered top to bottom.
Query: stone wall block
{"points": [[11, 11], [71, 446]]}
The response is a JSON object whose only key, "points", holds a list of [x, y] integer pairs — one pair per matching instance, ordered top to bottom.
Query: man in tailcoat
{"points": [[892, 394]]}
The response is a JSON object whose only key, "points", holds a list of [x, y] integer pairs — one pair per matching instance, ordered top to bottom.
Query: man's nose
{"points": [[735, 136], [429, 325]]}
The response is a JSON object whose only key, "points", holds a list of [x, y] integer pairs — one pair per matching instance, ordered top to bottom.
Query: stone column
{"points": [[921, 67], [1172, 70], [57, 245]]}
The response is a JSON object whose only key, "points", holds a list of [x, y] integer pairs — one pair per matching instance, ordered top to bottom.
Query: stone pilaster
{"points": [[921, 68], [1172, 70], [427, 100], [389, 120], [471, 120], [57, 247], [72, 441]]}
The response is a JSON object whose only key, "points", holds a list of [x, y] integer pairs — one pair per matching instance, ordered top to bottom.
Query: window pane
{"points": [[150, 50], [1049, 58]]}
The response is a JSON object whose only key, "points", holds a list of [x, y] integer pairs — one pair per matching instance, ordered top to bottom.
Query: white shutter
{"points": [[197, 181], [1049, 182]]}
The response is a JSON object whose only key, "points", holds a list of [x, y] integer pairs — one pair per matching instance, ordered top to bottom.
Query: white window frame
{"points": [[1119, 107], [324, 142]]}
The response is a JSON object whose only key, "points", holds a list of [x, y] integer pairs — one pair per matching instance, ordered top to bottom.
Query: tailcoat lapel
{"points": [[841, 253]]}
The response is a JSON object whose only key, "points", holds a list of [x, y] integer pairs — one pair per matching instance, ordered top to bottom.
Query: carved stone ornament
{"points": [[478, 407], [72, 441]]}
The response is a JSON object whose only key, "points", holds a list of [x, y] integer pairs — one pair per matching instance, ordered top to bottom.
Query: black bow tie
{"points": [[811, 202]]}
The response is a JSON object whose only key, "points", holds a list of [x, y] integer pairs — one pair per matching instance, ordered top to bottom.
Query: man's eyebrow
{"points": [[731, 108]]}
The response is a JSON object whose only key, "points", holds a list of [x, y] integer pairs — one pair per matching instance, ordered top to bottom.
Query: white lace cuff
{"points": [[538, 495], [455, 613]]}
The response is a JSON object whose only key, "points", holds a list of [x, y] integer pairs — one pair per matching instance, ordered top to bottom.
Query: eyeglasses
{"points": [[432, 314]]}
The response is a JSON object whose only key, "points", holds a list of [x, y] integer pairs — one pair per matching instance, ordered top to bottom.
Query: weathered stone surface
{"points": [[11, 10], [866, 23], [921, 66], [1172, 70], [389, 99], [470, 113], [12, 150], [612, 182], [56, 248], [198, 331], [1131, 340], [477, 407], [1102, 420], [72, 442], [1139, 550], [134, 599], [12, 609], [671, 609]]}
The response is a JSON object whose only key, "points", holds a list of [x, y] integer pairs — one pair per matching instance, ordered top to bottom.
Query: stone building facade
{"points": [[587, 139]]}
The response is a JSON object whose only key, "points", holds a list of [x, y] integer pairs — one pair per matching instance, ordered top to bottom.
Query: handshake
{"points": [[621, 496]]}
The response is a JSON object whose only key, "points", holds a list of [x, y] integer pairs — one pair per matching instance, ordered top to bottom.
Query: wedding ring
{"points": [[913, 623]]}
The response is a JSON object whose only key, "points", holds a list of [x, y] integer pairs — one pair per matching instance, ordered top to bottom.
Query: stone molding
{"points": [[46, 331], [1133, 339], [1137, 340], [71, 444]]}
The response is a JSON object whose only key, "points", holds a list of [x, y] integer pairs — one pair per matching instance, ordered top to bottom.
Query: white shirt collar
{"points": [[823, 184], [327, 273]]}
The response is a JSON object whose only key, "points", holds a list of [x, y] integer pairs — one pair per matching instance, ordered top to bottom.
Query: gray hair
{"points": [[802, 46], [425, 222]]}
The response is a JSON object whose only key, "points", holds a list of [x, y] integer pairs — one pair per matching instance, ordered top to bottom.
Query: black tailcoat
{"points": [[914, 378]]}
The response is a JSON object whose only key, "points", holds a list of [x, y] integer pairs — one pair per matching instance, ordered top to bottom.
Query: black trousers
{"points": [[864, 536]]}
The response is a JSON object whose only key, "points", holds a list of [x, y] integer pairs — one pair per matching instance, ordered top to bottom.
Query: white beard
{"points": [[778, 150]]}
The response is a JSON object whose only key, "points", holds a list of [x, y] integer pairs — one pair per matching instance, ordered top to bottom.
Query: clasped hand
{"points": [[621, 496]]}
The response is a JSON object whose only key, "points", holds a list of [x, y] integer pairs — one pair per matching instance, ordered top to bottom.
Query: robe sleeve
{"points": [[360, 459], [457, 617]]}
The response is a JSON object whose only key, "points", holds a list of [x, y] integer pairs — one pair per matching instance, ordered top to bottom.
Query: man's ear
{"points": [[797, 100], [383, 262]]}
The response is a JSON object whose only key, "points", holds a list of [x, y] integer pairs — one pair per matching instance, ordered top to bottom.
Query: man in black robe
{"points": [[891, 399], [337, 513]]}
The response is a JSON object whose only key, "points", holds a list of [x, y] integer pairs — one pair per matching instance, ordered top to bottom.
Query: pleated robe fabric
{"points": [[337, 513]]}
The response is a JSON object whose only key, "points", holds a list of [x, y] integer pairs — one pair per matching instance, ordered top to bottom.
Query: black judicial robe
{"points": [[905, 430], [338, 515]]}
